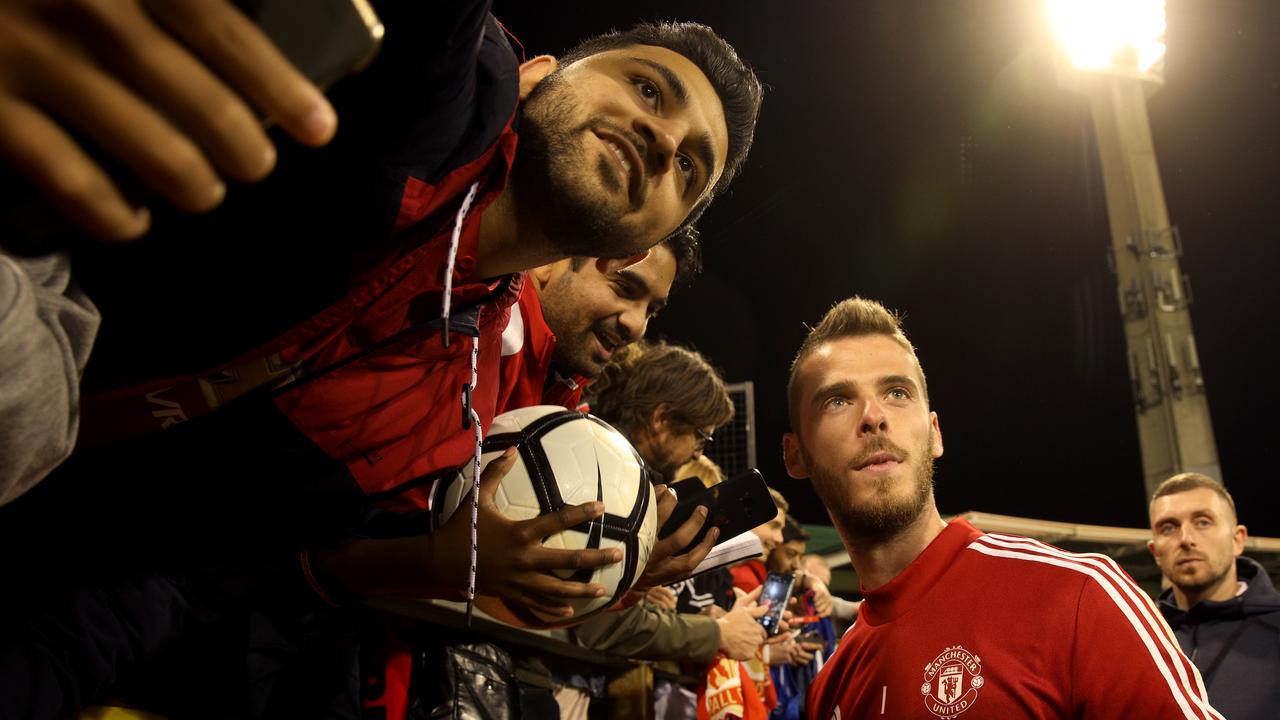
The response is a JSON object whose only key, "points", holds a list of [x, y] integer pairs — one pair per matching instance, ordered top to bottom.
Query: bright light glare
{"points": [[1110, 35]]}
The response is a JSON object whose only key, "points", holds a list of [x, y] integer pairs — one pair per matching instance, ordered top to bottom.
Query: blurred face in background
{"points": [[770, 533], [785, 558]]}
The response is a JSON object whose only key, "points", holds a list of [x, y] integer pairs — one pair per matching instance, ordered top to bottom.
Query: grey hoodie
{"points": [[47, 328]]}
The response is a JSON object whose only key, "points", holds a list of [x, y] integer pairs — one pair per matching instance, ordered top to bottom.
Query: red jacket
{"points": [[528, 347], [749, 575]]}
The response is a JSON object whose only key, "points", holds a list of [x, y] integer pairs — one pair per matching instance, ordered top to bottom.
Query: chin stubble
{"points": [[546, 178], [875, 523]]}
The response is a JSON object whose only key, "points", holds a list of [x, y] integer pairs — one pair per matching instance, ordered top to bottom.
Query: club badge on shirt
{"points": [[951, 682]]}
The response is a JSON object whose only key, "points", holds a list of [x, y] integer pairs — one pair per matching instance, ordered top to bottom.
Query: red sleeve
{"points": [[747, 576], [1126, 662]]}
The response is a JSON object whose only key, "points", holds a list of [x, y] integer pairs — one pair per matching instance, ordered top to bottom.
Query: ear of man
{"points": [[533, 71], [544, 275], [660, 419], [793, 457]]}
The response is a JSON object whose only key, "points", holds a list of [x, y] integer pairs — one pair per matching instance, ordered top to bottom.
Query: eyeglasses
{"points": [[703, 437]]}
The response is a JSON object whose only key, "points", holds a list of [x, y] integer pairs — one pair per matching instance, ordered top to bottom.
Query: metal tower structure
{"points": [[1116, 60]]}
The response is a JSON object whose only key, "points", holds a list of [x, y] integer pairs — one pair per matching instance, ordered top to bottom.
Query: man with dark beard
{"points": [[278, 381], [953, 619]]}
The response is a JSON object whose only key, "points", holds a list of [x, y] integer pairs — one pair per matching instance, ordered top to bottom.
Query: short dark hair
{"points": [[733, 80], [685, 245], [852, 317], [644, 375], [1183, 482], [793, 531]]}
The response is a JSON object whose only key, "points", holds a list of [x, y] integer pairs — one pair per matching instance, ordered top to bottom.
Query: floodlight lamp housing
{"points": [[1124, 38]]}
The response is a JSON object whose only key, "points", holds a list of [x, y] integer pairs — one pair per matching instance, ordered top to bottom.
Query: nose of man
{"points": [[661, 141], [632, 323], [872, 420]]}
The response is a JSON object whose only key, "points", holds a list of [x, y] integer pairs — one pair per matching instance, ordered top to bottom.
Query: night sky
{"points": [[923, 154]]}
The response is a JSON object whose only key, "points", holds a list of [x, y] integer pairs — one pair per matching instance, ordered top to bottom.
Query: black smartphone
{"points": [[325, 39], [735, 506], [776, 593], [811, 637]]}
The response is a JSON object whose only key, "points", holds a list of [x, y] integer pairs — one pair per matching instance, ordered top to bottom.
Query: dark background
{"points": [[923, 154]]}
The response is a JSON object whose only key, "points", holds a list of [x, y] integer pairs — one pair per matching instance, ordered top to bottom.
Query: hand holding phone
{"points": [[149, 85], [735, 506], [666, 563], [776, 593], [810, 637]]}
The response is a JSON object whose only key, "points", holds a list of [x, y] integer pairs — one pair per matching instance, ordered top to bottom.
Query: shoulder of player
{"points": [[1021, 557]]}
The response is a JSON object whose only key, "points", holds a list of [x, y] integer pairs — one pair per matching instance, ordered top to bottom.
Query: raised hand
{"points": [[173, 89], [665, 567], [741, 633]]}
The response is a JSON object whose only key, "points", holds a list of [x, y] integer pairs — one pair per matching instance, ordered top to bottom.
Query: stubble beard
{"points": [[549, 178], [874, 523], [1196, 586]]}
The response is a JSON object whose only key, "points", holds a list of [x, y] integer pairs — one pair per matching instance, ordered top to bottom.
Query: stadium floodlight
{"points": [[1119, 37], [1112, 51]]}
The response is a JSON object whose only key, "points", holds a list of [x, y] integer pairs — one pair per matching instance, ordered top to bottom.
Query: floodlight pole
{"points": [[1165, 374]]}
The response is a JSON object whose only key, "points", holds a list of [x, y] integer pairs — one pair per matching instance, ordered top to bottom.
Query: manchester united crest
{"points": [[952, 682]]}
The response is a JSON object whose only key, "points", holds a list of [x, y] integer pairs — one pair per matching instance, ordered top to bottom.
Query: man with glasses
{"points": [[667, 400]]}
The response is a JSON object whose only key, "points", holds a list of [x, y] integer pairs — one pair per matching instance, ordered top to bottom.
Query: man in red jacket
{"points": [[573, 315], [338, 328], [954, 619]]}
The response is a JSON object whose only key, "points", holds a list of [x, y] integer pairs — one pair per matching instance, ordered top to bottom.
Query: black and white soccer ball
{"points": [[566, 458]]}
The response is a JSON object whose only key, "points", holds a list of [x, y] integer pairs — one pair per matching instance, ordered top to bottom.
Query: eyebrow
{"points": [[670, 78], [702, 145], [632, 277], [898, 380], [840, 387], [1193, 514]]}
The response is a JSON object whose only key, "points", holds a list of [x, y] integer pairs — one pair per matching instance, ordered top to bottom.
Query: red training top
{"points": [[999, 626]]}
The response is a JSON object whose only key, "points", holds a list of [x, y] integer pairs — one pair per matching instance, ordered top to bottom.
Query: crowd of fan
{"points": [[237, 355], [217, 436]]}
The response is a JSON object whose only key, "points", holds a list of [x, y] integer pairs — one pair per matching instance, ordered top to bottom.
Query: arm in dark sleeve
{"points": [[239, 484], [67, 651]]}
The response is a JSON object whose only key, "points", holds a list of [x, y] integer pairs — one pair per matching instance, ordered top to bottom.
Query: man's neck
{"points": [[506, 244], [879, 562], [1224, 589]]}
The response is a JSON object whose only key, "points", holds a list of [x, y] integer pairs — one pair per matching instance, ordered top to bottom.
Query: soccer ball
{"points": [[566, 458]]}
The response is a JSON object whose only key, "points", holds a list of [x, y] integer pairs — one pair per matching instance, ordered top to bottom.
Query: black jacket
{"points": [[1236, 645]]}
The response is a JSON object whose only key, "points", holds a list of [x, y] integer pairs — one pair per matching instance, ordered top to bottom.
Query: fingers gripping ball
{"points": [[566, 458]]}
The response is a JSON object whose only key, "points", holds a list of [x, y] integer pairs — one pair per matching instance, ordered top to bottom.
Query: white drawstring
{"points": [[447, 301], [470, 416], [475, 479]]}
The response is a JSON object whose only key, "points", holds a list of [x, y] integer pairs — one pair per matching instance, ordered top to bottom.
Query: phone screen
{"points": [[776, 593]]}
